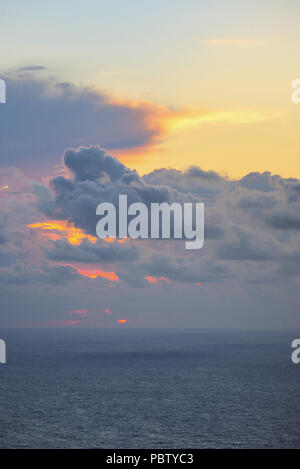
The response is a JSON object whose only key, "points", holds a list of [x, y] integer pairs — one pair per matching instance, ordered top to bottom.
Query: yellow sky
{"points": [[222, 69], [232, 109], [232, 142]]}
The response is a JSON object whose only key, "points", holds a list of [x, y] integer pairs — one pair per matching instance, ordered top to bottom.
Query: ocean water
{"points": [[125, 388]]}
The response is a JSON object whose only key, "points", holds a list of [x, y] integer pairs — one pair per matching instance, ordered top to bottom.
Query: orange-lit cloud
{"points": [[243, 116], [62, 229], [109, 240], [112, 240], [86, 271], [111, 276], [151, 279], [156, 279], [166, 279], [200, 284], [81, 312], [122, 321], [61, 322]]}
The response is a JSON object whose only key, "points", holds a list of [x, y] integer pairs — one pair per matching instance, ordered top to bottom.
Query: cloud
{"points": [[236, 42], [31, 68], [43, 116], [89, 164], [95, 178], [204, 184], [235, 218], [285, 220], [53, 229], [3, 238], [246, 244], [251, 247], [62, 250], [179, 268], [21, 274], [81, 312]]}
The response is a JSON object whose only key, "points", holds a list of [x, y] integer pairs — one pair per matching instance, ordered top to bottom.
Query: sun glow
{"points": [[62, 229], [111, 276], [156, 279]]}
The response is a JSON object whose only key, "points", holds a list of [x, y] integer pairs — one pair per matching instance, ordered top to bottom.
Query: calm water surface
{"points": [[148, 389]]}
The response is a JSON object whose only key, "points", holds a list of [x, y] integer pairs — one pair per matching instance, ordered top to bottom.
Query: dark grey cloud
{"points": [[31, 68], [42, 117], [89, 164], [196, 172], [95, 178], [258, 181], [205, 184], [241, 220], [286, 220], [251, 221], [3, 236], [246, 244], [62, 250], [249, 262], [191, 269], [21, 274]]}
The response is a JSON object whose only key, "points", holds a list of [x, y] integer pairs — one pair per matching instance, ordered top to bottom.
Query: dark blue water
{"points": [[148, 389]]}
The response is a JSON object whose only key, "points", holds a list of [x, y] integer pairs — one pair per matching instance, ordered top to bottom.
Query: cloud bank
{"points": [[251, 245]]}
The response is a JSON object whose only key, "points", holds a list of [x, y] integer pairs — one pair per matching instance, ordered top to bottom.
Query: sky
{"points": [[184, 101]]}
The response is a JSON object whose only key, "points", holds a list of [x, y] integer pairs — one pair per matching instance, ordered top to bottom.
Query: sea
{"points": [[140, 388]]}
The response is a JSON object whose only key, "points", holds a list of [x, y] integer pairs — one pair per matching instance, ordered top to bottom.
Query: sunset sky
{"points": [[215, 76], [196, 97]]}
